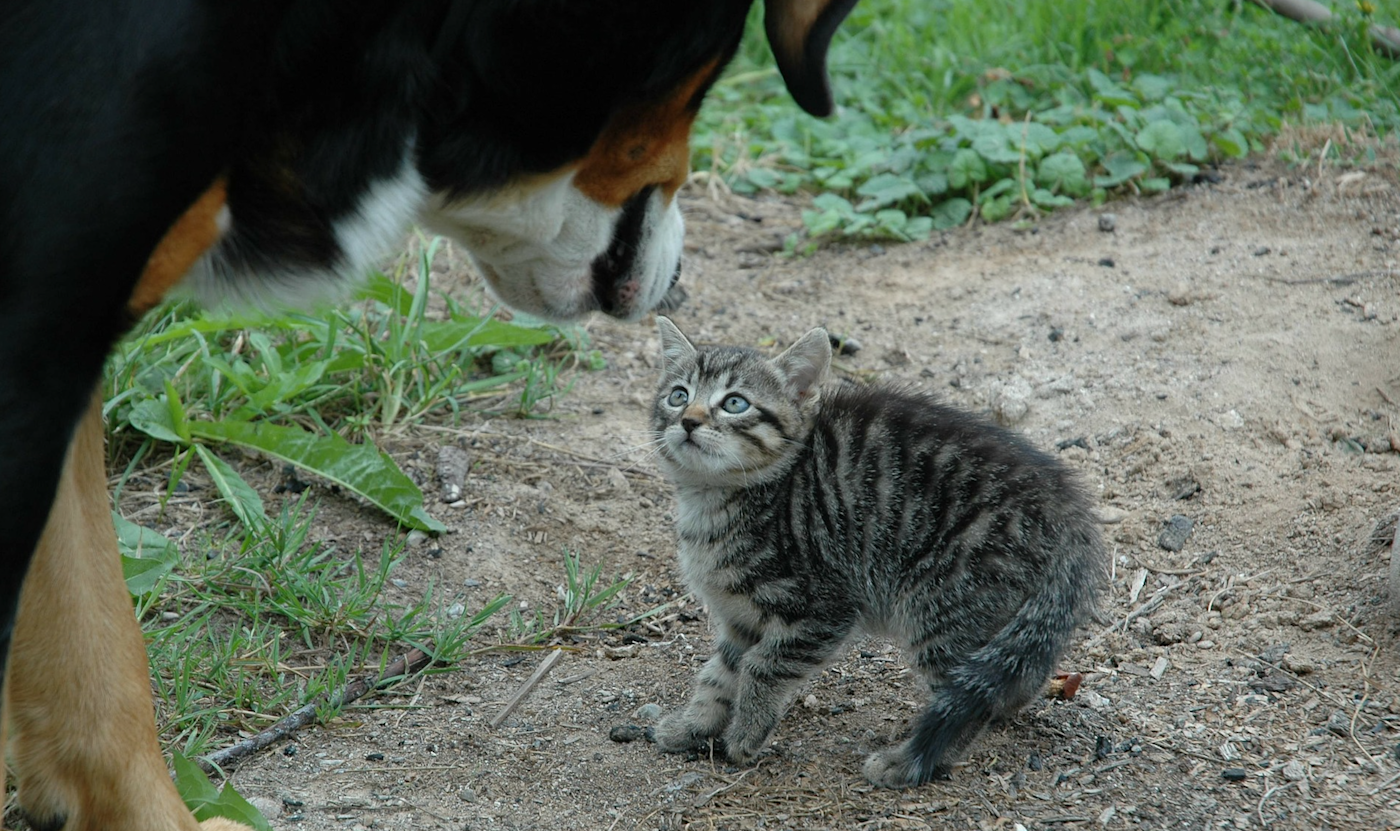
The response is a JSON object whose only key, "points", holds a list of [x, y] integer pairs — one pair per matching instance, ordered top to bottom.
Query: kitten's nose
{"points": [[690, 424]]}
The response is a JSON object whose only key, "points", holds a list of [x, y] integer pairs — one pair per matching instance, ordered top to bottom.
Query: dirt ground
{"points": [[1228, 352]]}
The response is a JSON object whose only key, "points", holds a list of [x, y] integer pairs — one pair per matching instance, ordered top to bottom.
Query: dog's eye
{"points": [[678, 397], [735, 404]]}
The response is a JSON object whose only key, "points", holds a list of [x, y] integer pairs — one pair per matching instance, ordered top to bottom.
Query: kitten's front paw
{"points": [[678, 733], [742, 746], [893, 768]]}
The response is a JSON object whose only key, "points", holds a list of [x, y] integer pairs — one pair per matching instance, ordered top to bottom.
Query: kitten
{"points": [[808, 515]]}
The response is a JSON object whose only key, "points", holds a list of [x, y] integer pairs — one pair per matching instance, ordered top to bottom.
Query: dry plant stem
{"points": [[1385, 39], [406, 664], [533, 681]]}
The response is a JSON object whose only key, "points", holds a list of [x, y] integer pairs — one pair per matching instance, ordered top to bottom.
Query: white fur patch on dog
{"points": [[364, 236], [536, 245]]}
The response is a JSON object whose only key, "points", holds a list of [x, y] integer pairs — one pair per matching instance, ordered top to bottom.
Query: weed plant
{"points": [[954, 109]]}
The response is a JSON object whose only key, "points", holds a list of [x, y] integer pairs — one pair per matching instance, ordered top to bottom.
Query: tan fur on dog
{"points": [[78, 690]]}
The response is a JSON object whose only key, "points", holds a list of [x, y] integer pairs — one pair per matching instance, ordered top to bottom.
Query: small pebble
{"points": [[1107, 223], [1106, 262], [1175, 534], [416, 538], [456, 610], [810, 702], [648, 712], [624, 733], [1102, 747], [289, 750], [374, 757], [1034, 762], [1294, 771], [1233, 774], [467, 795], [267, 806]]}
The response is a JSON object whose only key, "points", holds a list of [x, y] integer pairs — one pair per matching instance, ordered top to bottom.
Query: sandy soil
{"points": [[1229, 353]]}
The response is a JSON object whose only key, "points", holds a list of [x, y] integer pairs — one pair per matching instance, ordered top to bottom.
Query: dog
{"points": [[269, 151]]}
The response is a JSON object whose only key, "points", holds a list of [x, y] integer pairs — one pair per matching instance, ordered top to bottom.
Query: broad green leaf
{"points": [[1152, 87], [1163, 139], [1231, 142], [996, 149], [1121, 167], [966, 168], [1184, 169], [1063, 172], [763, 177], [1154, 185], [886, 189], [1047, 199], [997, 209], [950, 213], [918, 228], [388, 292], [470, 332], [152, 417], [360, 468], [240, 496], [146, 555], [206, 801]]}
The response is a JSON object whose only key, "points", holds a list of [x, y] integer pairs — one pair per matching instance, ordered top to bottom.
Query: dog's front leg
{"points": [[77, 690]]}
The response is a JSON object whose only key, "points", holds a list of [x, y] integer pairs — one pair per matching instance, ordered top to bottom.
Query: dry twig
{"points": [[401, 667]]}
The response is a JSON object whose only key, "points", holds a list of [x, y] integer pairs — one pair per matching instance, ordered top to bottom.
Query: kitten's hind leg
{"points": [[769, 677], [707, 714]]}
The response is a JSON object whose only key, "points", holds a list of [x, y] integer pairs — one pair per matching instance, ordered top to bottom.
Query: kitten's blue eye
{"points": [[678, 397], [735, 404]]}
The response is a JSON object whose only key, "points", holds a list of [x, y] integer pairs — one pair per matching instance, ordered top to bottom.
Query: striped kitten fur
{"points": [[807, 515]]}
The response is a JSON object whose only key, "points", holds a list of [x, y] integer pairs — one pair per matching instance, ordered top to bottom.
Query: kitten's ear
{"points": [[674, 346], [806, 362]]}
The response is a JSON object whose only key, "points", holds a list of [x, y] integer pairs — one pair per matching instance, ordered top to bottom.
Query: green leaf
{"points": [[1153, 87], [1163, 139], [1231, 142], [996, 149], [1121, 167], [966, 168], [1183, 169], [1063, 172], [763, 177], [1155, 185], [886, 189], [1047, 199], [997, 209], [950, 213], [918, 228], [471, 332], [152, 417], [360, 468], [240, 496], [146, 555], [206, 801]]}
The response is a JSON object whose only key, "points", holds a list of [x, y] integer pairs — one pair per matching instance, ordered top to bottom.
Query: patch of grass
{"points": [[962, 108], [300, 387], [276, 619]]}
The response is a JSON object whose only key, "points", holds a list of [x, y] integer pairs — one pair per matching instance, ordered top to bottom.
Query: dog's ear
{"points": [[800, 32]]}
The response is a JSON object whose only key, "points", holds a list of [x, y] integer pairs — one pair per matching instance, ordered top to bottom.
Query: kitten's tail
{"points": [[1013, 667]]}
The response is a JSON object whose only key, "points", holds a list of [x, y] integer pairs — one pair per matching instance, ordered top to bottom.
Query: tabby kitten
{"points": [[807, 515]]}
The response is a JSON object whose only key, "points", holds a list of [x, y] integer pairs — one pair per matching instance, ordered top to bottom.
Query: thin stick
{"points": [[399, 668], [540, 672]]}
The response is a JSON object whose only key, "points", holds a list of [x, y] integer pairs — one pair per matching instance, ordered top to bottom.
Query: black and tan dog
{"points": [[270, 150]]}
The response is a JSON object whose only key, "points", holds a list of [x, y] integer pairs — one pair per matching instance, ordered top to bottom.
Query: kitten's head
{"points": [[725, 415]]}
